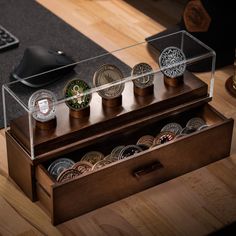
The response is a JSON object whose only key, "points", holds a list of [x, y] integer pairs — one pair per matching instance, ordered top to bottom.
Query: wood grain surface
{"points": [[196, 203]]}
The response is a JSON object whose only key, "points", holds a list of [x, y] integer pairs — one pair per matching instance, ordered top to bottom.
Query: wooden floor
{"points": [[197, 203]]}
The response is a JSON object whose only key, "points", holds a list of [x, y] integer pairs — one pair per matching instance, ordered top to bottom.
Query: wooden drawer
{"points": [[120, 179]]}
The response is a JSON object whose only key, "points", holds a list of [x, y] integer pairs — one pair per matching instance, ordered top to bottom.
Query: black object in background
{"points": [[7, 40], [36, 60]]}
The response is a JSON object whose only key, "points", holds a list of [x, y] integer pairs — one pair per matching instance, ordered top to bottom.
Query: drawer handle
{"points": [[147, 169]]}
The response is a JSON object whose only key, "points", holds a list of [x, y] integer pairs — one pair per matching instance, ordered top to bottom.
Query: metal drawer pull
{"points": [[147, 169]]}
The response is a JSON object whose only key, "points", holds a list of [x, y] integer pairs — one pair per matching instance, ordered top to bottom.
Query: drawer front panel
{"points": [[135, 174]]}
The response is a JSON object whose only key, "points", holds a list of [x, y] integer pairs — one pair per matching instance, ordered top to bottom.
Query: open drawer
{"points": [[125, 177]]}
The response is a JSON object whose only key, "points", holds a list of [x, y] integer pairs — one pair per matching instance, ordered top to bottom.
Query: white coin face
{"points": [[172, 62], [42, 105]]}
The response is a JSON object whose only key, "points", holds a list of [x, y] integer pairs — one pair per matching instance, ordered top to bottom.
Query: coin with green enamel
{"points": [[76, 94]]}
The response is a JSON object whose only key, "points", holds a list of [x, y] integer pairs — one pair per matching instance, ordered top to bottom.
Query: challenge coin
{"points": [[172, 62], [109, 74], [145, 80], [77, 87], [42, 105], [195, 123], [172, 127], [163, 137], [146, 140], [129, 151], [92, 157], [102, 163], [59, 166], [83, 166], [67, 175]]}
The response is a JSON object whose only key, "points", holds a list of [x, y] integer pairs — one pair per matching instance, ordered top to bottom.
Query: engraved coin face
{"points": [[172, 62], [109, 74], [142, 81], [77, 87], [42, 105], [195, 123], [172, 127], [163, 137], [129, 151], [92, 157], [102, 163], [59, 166], [83, 166], [67, 175]]}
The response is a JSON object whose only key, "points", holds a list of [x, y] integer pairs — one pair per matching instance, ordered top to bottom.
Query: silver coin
{"points": [[172, 62], [139, 70], [109, 74], [76, 87], [42, 105], [195, 123], [172, 127], [203, 127], [188, 130], [163, 137], [116, 151], [129, 151], [92, 157], [110, 158], [101, 164], [59, 166], [83, 166]]}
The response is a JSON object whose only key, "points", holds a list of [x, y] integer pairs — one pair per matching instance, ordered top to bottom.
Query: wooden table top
{"points": [[196, 203]]}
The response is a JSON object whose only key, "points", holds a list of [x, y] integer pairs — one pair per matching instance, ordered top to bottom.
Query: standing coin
{"points": [[172, 62], [109, 74], [145, 80], [77, 87], [42, 105], [195, 123], [172, 127], [203, 127], [188, 130], [163, 137], [146, 140], [116, 151], [129, 151], [92, 157], [101, 164], [59, 166], [83, 166], [67, 175]]}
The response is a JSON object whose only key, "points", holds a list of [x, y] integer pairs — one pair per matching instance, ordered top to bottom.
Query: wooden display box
{"points": [[107, 128]]}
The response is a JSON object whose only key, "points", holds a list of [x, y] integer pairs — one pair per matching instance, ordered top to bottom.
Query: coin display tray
{"points": [[69, 129], [63, 201]]}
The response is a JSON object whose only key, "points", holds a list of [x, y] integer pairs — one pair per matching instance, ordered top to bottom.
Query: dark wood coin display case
{"points": [[107, 127]]}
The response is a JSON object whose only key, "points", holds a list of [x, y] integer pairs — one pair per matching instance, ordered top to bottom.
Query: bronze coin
{"points": [[83, 166], [67, 175]]}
